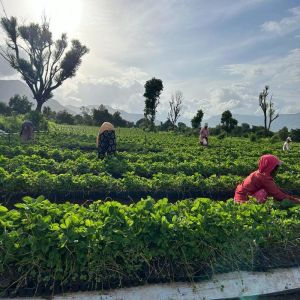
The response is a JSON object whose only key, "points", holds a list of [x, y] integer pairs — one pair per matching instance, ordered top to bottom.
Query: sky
{"points": [[219, 53]]}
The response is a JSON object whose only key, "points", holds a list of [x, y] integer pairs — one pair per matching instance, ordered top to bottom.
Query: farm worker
{"points": [[27, 131], [203, 135], [106, 140], [286, 146], [260, 183]]}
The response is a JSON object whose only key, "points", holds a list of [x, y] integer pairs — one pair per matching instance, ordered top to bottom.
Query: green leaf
{"points": [[3, 209]]}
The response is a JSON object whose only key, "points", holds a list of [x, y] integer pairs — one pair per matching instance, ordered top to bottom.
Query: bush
{"points": [[63, 117], [38, 120], [12, 123], [283, 133], [295, 135], [222, 136], [253, 137], [275, 138], [107, 244]]}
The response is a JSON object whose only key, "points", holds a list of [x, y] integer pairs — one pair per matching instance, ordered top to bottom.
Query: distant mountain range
{"points": [[9, 88]]}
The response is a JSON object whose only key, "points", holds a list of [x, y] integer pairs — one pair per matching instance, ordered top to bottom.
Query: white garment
{"points": [[286, 146]]}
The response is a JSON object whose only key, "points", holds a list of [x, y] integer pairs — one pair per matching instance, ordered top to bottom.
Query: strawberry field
{"points": [[63, 165], [178, 232]]}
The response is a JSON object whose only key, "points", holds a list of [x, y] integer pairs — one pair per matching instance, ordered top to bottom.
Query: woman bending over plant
{"points": [[106, 140], [260, 184]]}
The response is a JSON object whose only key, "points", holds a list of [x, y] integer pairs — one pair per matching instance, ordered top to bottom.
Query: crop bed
{"points": [[63, 165], [50, 246], [47, 248]]}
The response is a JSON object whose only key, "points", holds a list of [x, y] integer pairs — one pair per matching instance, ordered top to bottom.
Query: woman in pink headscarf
{"points": [[260, 184]]}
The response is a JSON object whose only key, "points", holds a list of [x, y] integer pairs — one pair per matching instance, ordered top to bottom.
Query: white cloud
{"points": [[285, 25], [184, 44], [281, 74], [108, 92]]}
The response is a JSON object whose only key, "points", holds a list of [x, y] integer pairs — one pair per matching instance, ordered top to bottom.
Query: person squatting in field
{"points": [[27, 131], [203, 135], [106, 140], [260, 183]]}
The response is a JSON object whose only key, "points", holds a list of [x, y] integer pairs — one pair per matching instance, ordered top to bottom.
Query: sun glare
{"points": [[64, 15]]}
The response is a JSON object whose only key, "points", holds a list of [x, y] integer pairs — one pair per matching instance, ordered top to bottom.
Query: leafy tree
{"points": [[43, 63], [153, 88], [20, 105], [175, 107], [4, 109], [268, 109], [49, 113], [101, 115], [86, 116], [63, 117], [78, 119], [38, 120], [119, 121], [196, 121], [227, 121], [142, 123], [168, 125], [181, 125], [245, 127], [242, 130], [258, 130], [216, 131], [283, 133], [295, 135]]}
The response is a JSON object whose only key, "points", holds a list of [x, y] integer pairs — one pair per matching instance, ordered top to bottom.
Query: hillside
{"points": [[9, 88]]}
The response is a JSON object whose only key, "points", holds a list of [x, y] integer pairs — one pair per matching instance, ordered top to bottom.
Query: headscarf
{"points": [[27, 124], [105, 126], [267, 163]]}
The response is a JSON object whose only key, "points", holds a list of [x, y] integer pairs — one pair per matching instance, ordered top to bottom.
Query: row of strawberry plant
{"points": [[27, 182], [46, 247]]}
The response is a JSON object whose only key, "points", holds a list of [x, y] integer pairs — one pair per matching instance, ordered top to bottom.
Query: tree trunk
{"points": [[39, 106], [152, 121], [266, 129]]}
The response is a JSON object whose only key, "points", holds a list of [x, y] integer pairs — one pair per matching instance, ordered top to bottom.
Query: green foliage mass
{"points": [[63, 164], [108, 244]]}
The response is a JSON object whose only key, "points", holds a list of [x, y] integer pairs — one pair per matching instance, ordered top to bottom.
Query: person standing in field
{"points": [[27, 131], [203, 135], [106, 140], [286, 145], [260, 183]]}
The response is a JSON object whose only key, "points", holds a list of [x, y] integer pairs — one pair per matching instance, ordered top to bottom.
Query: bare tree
{"points": [[43, 63], [264, 105], [175, 107], [268, 109], [272, 113]]}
